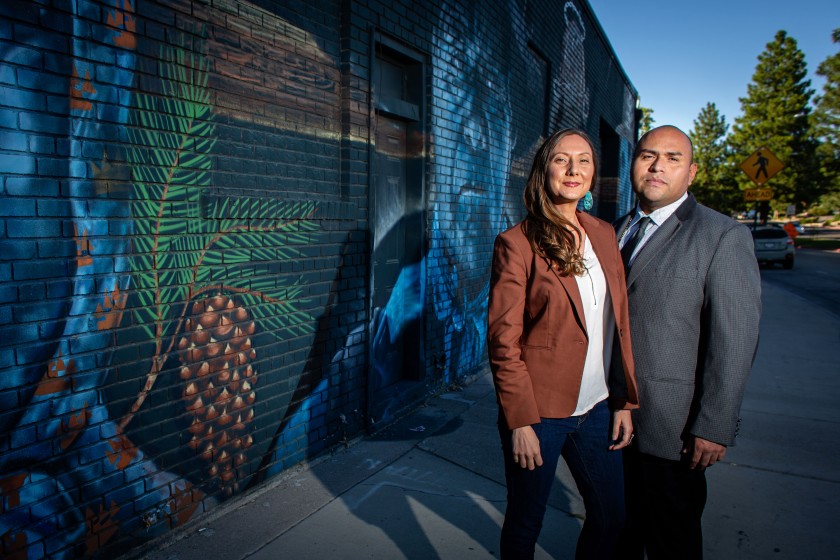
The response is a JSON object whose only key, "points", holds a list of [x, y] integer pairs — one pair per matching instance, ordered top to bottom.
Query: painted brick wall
{"points": [[186, 234]]}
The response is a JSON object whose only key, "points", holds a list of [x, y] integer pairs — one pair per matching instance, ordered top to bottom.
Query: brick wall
{"points": [[188, 222]]}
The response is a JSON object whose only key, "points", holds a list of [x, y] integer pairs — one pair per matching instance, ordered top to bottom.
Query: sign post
{"points": [[760, 166]]}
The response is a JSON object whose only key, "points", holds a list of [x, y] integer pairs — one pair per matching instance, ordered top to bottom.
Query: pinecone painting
{"points": [[194, 251], [219, 380]]}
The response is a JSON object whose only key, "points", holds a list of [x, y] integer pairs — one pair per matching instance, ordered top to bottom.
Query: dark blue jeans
{"points": [[583, 441]]}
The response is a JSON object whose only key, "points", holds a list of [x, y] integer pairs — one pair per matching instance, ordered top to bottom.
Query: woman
{"points": [[559, 344]]}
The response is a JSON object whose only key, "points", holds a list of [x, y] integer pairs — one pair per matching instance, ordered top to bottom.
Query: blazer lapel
{"points": [[622, 224], [660, 238], [655, 244], [604, 246], [570, 285]]}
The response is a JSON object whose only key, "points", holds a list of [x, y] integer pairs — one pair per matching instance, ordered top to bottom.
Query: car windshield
{"points": [[769, 233]]}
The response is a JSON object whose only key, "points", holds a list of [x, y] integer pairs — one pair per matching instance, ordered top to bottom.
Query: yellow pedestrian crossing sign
{"points": [[761, 166]]}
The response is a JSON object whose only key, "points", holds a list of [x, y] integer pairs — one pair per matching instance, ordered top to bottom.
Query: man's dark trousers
{"points": [[665, 501]]}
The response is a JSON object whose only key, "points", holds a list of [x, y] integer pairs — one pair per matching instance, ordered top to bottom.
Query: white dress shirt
{"points": [[657, 218]]}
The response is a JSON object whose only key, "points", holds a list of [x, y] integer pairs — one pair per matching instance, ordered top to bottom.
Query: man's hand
{"points": [[622, 427], [526, 448], [703, 453]]}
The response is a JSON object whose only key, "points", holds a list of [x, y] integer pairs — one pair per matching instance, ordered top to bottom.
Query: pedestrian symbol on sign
{"points": [[761, 162], [761, 166]]}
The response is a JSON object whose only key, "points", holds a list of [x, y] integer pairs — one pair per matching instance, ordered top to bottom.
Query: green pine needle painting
{"points": [[181, 257]]}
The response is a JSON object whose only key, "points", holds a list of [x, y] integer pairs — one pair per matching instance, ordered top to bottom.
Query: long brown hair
{"points": [[549, 233]]}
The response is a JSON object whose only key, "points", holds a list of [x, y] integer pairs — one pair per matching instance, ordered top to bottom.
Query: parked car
{"points": [[773, 245]]}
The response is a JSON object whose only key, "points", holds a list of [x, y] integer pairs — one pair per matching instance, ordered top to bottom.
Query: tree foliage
{"points": [[776, 115], [827, 119], [646, 120], [714, 184]]}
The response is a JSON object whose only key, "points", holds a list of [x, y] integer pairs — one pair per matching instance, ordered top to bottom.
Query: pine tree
{"points": [[776, 115], [827, 119], [646, 120], [714, 184]]}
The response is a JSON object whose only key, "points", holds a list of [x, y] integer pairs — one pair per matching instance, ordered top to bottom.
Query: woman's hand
{"points": [[622, 429], [526, 448]]}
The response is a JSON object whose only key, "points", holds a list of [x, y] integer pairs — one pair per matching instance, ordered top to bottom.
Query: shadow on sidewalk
{"points": [[435, 489]]}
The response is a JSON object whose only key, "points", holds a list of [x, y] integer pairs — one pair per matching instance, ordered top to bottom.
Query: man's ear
{"points": [[692, 171]]}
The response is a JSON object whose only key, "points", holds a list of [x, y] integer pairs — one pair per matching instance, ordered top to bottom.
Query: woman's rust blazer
{"points": [[536, 333]]}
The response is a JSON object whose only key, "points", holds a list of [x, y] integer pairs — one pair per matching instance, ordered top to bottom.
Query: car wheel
{"points": [[788, 264]]}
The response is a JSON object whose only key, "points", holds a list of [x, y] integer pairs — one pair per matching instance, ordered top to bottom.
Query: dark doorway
{"points": [[607, 199], [398, 226]]}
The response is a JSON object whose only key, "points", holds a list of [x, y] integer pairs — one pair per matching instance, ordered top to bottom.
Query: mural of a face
{"points": [[571, 85], [626, 129], [471, 175]]}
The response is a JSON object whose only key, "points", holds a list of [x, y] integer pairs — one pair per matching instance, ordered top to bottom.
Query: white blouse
{"points": [[600, 327]]}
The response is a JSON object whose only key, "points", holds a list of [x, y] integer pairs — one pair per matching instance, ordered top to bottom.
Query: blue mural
{"points": [[570, 84], [472, 178], [157, 266], [184, 267], [64, 458]]}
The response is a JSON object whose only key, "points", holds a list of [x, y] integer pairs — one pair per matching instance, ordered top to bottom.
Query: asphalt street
{"points": [[815, 277]]}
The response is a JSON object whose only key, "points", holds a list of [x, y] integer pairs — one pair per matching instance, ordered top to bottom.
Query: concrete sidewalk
{"points": [[432, 486]]}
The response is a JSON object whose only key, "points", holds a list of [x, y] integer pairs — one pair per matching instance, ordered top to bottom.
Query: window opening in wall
{"points": [[607, 199]]}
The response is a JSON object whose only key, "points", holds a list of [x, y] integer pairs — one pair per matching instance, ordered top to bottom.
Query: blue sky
{"points": [[681, 55]]}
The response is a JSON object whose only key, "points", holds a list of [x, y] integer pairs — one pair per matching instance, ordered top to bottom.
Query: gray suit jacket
{"points": [[695, 301]]}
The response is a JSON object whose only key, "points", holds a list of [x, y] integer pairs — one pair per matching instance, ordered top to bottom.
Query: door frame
{"points": [[413, 112]]}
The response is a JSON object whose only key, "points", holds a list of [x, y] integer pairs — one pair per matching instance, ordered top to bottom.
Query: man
{"points": [[695, 300]]}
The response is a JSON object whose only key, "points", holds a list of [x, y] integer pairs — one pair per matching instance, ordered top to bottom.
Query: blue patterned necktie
{"points": [[630, 246]]}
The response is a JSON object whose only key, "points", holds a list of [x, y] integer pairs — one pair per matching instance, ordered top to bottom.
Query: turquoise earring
{"points": [[586, 201]]}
